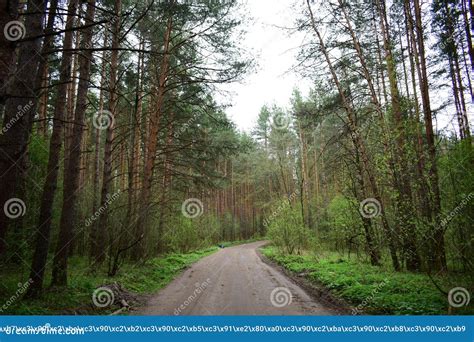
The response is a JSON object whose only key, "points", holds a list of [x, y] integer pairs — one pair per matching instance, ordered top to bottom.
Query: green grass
{"points": [[239, 242], [143, 278], [375, 290]]}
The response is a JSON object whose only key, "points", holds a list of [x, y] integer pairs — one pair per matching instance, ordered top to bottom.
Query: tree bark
{"points": [[8, 13], [17, 124], [152, 141], [97, 150], [71, 182], [49, 189], [102, 228], [438, 259]]}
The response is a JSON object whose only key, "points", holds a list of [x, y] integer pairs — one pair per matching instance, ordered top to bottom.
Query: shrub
{"points": [[287, 231]]}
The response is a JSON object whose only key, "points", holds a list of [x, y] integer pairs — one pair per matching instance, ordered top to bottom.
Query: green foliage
{"points": [[457, 187], [341, 212], [286, 229], [188, 234], [147, 278], [372, 289]]}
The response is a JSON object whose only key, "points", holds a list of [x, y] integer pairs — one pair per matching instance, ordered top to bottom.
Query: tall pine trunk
{"points": [[14, 140], [152, 141], [71, 181], [49, 189], [102, 228], [438, 256]]}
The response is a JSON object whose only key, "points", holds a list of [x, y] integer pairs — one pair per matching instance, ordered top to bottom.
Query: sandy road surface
{"points": [[233, 281]]}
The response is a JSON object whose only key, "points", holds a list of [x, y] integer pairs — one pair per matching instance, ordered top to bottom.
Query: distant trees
{"points": [[136, 122]]}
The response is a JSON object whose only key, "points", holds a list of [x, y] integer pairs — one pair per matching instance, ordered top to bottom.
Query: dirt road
{"points": [[233, 281]]}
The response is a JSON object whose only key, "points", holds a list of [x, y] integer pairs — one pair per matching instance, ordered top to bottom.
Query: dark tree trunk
{"points": [[8, 13], [17, 124], [152, 142], [71, 182], [49, 189], [102, 232], [438, 259]]}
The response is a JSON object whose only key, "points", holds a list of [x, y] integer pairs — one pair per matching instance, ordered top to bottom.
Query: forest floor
{"points": [[235, 281], [371, 289]]}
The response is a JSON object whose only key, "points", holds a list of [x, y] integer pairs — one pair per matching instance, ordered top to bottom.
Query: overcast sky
{"points": [[275, 54]]}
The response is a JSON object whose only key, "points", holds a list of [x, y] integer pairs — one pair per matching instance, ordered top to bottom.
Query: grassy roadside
{"points": [[240, 242], [139, 280], [373, 290]]}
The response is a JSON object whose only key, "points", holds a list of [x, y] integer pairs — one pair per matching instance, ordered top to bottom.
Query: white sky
{"points": [[275, 54]]}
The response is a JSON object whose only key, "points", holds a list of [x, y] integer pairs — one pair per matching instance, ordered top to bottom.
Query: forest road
{"points": [[233, 281]]}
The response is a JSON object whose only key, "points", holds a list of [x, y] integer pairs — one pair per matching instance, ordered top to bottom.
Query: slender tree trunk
{"points": [[8, 13], [468, 32], [43, 70], [71, 98], [462, 100], [457, 104], [42, 127], [14, 140], [152, 141], [97, 149], [134, 150], [304, 180], [71, 181], [166, 182], [49, 189], [404, 200], [426, 209], [102, 231], [438, 259]]}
